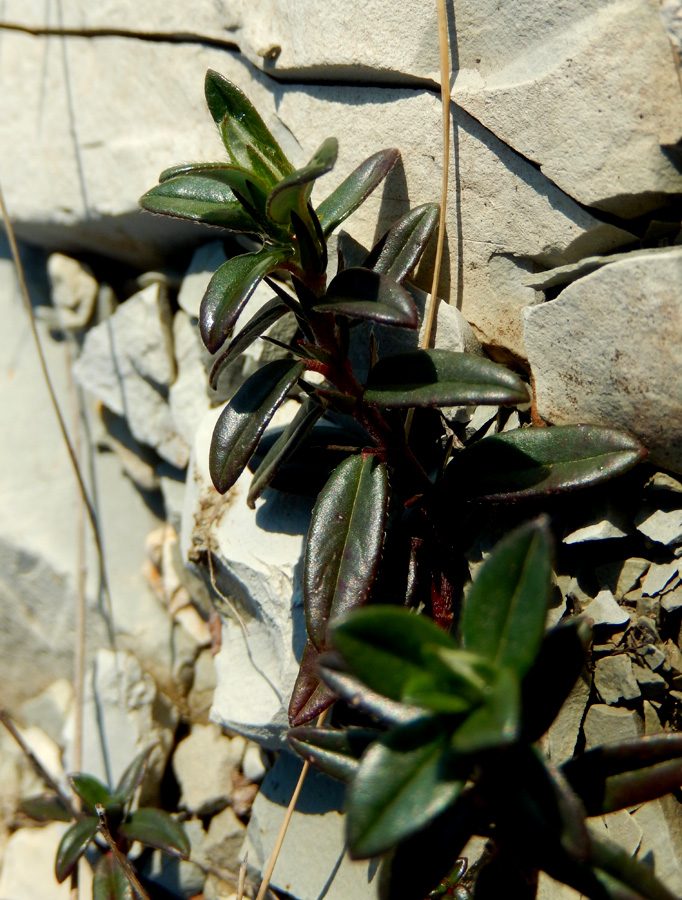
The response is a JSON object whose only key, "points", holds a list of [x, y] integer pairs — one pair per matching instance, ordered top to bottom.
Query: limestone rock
{"points": [[205, 261], [74, 290], [604, 352], [188, 395], [602, 525], [661, 526], [622, 576], [660, 578], [606, 612], [614, 679], [50, 709], [123, 713], [610, 724], [564, 731], [203, 764], [253, 765], [317, 825], [619, 827], [223, 841], [661, 846], [28, 869], [179, 877]]}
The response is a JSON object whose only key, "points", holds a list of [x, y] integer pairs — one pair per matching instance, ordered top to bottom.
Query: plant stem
{"points": [[120, 858]]}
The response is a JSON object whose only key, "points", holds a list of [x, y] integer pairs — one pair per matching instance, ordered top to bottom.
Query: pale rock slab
{"points": [[554, 105], [205, 261], [559, 275], [74, 290], [605, 352], [127, 362], [188, 395], [601, 527], [663, 527], [257, 562], [621, 577], [661, 577], [672, 600], [606, 612], [614, 679], [50, 708], [124, 713], [610, 724], [565, 729], [203, 764], [660, 821], [317, 825], [619, 827], [223, 841], [28, 869], [179, 877]]}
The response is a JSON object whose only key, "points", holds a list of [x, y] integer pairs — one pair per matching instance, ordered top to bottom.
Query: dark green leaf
{"points": [[242, 128], [355, 189], [293, 192], [202, 199], [312, 248], [401, 248], [230, 287], [363, 294], [267, 315], [441, 378], [245, 418], [288, 442], [530, 462], [344, 543], [505, 610], [386, 647], [562, 657], [310, 695], [495, 723], [335, 752], [616, 776], [132, 777], [405, 780], [90, 790], [45, 808], [156, 828], [73, 845], [435, 849], [618, 863], [109, 881]]}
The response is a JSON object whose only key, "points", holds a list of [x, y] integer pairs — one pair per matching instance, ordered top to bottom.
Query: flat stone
{"points": [[205, 261], [560, 275], [74, 291], [604, 352], [188, 396], [664, 481], [603, 526], [660, 526], [622, 576], [659, 576], [672, 600], [605, 611], [653, 656], [614, 679], [650, 683], [50, 709], [610, 724], [564, 731], [203, 764], [253, 765], [318, 825], [620, 828], [223, 841], [661, 847], [28, 868], [181, 878]]}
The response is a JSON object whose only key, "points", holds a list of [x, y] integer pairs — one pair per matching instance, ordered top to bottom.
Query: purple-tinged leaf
{"points": [[241, 127], [355, 189], [293, 192], [200, 199], [401, 248], [230, 287], [363, 294], [266, 316], [441, 378], [245, 418], [284, 447], [531, 462], [344, 543], [504, 612], [310, 695], [334, 752], [405, 780], [90, 790], [45, 808], [156, 828], [73, 845], [109, 881]]}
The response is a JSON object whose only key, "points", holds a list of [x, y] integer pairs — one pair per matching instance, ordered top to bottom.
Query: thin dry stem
{"points": [[120, 858]]}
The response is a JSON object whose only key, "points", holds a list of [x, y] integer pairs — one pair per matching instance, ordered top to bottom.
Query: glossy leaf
{"points": [[241, 127], [355, 189], [293, 192], [200, 199], [312, 247], [401, 248], [230, 287], [363, 294], [266, 316], [441, 378], [246, 416], [288, 442], [530, 462], [344, 543], [504, 612], [387, 647], [310, 696], [495, 723], [334, 752], [616, 776], [132, 777], [404, 781], [90, 790], [45, 808], [156, 828], [73, 845], [617, 863], [109, 881]]}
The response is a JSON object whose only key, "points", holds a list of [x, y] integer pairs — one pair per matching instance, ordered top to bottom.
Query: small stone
{"points": [[73, 291], [664, 481], [606, 525], [660, 526], [660, 575], [622, 576], [672, 600], [646, 606], [605, 611], [653, 656], [674, 656], [614, 679], [651, 683], [203, 687], [652, 720], [610, 724], [564, 730], [203, 763], [253, 765], [618, 827], [223, 841], [660, 841], [179, 877]]}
